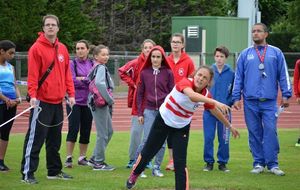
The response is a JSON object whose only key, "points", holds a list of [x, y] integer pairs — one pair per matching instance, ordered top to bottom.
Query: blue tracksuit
{"points": [[259, 89], [221, 91]]}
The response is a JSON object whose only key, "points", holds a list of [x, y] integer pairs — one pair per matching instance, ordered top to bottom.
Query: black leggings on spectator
{"points": [[5, 115], [80, 120]]}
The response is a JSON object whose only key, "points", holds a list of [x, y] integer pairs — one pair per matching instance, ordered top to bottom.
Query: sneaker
{"points": [[298, 143], [68, 162], [83, 162], [91, 162], [130, 164], [149, 165], [170, 166], [103, 167], [208, 167], [3, 168], [223, 168], [257, 169], [277, 171], [157, 173], [60, 175], [143, 175], [30, 181], [130, 183]]}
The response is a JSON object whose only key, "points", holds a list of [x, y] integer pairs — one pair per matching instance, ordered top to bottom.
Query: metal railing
{"points": [[118, 59], [115, 62]]}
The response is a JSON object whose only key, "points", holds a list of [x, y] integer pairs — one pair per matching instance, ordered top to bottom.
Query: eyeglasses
{"points": [[50, 25], [258, 31], [176, 42]]}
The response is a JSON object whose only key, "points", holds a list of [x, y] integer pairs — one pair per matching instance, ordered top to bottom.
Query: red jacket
{"points": [[183, 68], [129, 73], [297, 79], [59, 81]]}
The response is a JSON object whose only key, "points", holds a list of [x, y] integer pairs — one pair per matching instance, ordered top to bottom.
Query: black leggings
{"points": [[5, 115], [80, 119], [158, 134], [169, 143]]}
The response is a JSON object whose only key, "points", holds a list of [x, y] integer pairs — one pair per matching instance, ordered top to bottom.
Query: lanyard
{"points": [[261, 57]]}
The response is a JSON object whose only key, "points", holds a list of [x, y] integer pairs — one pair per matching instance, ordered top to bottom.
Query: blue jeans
{"points": [[149, 117], [136, 133]]}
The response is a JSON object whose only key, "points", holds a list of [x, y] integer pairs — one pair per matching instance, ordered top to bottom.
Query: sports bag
{"points": [[99, 101]]}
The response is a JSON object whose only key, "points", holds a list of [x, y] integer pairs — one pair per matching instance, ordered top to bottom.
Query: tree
{"points": [[272, 10], [294, 20], [74, 23], [20, 24], [124, 24], [288, 27]]}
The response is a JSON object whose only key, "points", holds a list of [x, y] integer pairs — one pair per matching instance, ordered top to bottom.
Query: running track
{"points": [[121, 117]]}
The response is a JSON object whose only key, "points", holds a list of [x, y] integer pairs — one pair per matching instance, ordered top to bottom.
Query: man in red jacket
{"points": [[129, 73], [297, 87], [46, 117]]}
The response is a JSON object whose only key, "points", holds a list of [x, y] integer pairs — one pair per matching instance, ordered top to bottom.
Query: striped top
{"points": [[178, 109]]}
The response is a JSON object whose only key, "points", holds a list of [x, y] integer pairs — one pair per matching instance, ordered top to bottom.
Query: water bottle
{"points": [[20, 82], [280, 109], [226, 133]]}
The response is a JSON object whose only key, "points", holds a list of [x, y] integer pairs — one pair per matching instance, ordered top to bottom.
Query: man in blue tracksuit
{"points": [[261, 68], [221, 91]]}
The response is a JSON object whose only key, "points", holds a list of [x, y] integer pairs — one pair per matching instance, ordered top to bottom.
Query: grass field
{"points": [[117, 155]]}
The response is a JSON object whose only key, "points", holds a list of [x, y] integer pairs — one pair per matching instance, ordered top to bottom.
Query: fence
{"points": [[118, 59], [114, 63]]}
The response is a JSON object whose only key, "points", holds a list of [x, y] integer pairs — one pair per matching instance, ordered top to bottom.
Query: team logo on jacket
{"points": [[250, 56], [61, 58], [180, 71]]}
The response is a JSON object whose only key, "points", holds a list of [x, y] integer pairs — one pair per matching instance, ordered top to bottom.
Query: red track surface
{"points": [[121, 117]]}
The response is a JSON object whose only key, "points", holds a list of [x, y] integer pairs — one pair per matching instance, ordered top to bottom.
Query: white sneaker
{"points": [[257, 169], [277, 171], [157, 173], [143, 175]]}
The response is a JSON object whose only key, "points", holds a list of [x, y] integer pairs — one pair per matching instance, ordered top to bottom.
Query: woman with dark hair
{"points": [[156, 82], [9, 96], [81, 117]]}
